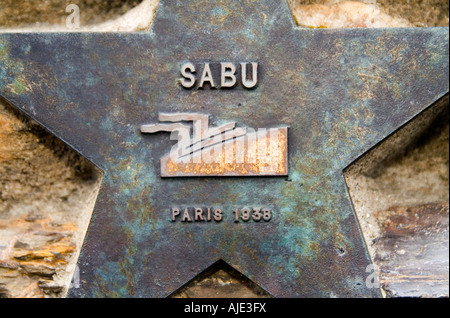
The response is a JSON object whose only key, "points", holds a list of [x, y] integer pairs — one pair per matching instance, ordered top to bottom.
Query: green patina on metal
{"points": [[340, 92]]}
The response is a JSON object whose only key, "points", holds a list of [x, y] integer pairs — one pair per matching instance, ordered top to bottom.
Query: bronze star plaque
{"points": [[223, 133]]}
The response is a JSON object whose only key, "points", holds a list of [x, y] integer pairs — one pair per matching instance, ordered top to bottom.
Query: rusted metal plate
{"points": [[340, 92], [221, 151]]}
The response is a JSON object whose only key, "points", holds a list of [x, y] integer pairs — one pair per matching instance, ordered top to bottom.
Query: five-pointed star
{"points": [[340, 92]]}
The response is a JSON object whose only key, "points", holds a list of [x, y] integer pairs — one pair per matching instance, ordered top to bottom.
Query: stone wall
{"points": [[47, 191]]}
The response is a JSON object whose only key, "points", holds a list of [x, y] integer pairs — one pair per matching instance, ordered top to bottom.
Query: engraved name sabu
{"points": [[227, 76]]}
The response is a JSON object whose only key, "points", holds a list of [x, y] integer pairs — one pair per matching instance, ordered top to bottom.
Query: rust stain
{"points": [[258, 157]]}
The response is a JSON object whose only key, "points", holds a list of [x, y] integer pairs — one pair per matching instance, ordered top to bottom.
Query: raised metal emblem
{"points": [[221, 151]]}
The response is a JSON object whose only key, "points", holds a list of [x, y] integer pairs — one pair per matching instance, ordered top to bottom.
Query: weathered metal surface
{"points": [[340, 92]]}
